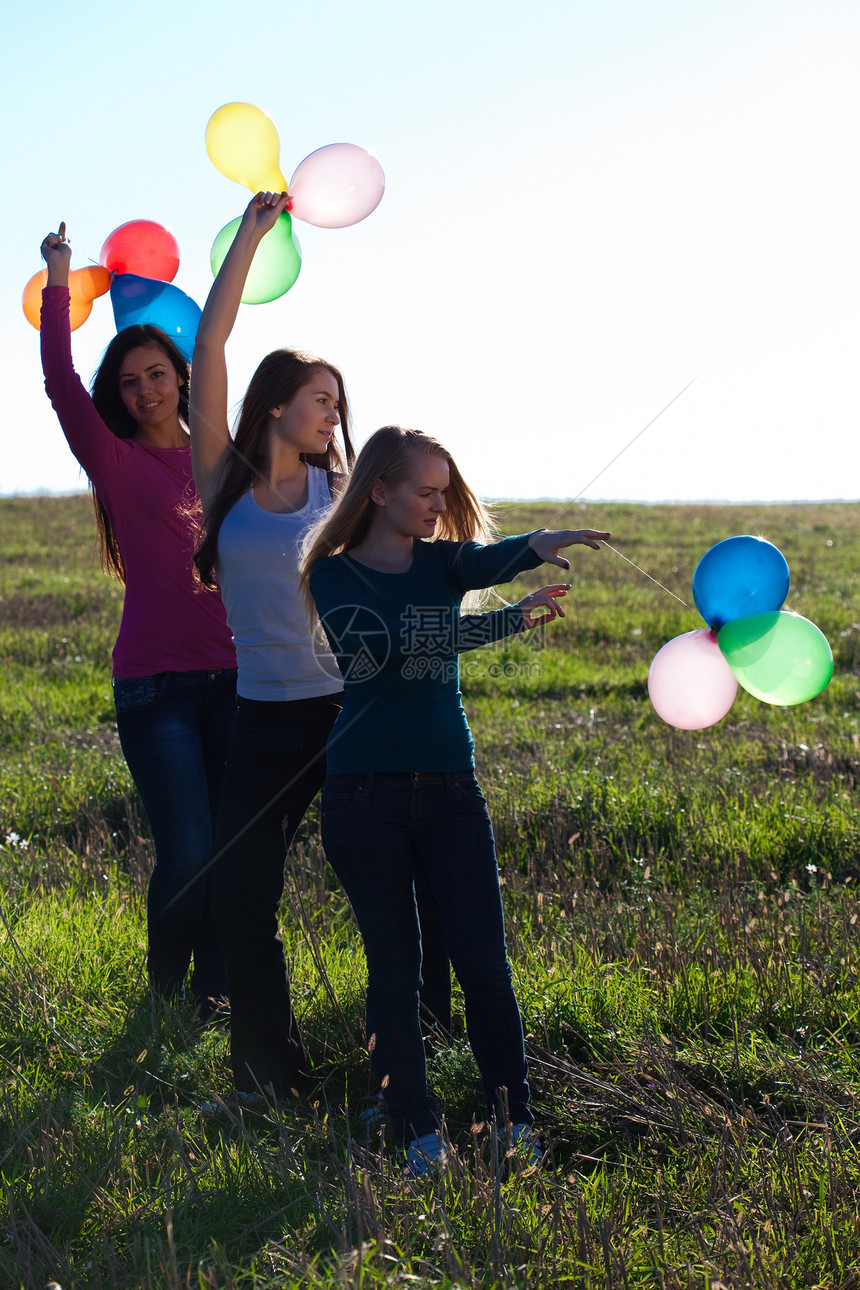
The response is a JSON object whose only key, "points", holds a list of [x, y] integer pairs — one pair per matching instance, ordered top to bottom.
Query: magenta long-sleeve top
{"points": [[169, 623]]}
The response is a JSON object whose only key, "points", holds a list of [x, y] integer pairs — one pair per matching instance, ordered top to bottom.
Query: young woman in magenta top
{"points": [[387, 572], [174, 665]]}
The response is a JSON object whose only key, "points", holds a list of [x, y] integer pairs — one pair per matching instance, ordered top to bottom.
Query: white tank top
{"points": [[257, 567]]}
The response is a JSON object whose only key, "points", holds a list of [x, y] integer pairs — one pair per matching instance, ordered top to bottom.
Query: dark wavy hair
{"points": [[276, 381], [107, 401]]}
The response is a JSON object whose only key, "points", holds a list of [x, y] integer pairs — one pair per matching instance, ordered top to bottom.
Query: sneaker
{"points": [[373, 1114], [526, 1143], [425, 1154]]}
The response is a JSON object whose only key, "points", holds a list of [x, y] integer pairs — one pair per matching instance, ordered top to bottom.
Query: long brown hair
{"points": [[276, 381], [107, 401], [387, 457]]}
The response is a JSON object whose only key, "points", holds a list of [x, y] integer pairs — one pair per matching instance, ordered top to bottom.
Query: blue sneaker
{"points": [[373, 1114], [526, 1144], [425, 1154]]}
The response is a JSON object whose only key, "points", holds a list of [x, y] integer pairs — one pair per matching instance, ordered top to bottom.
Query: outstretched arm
{"points": [[210, 432], [473, 565], [475, 630]]}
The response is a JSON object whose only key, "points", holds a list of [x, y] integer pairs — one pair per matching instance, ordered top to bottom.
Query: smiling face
{"points": [[149, 388], [309, 420], [412, 507]]}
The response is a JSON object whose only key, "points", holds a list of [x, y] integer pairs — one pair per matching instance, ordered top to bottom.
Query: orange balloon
{"points": [[88, 283], [84, 286], [32, 298]]}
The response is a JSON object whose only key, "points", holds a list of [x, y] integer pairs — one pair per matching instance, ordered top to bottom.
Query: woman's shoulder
{"points": [[331, 482], [441, 551], [330, 567]]}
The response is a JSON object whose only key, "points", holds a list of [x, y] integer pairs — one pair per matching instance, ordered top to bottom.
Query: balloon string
{"points": [[83, 254], [638, 435], [603, 470], [647, 575]]}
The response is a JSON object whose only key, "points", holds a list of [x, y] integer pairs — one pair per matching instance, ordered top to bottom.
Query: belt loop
{"points": [[368, 781]]}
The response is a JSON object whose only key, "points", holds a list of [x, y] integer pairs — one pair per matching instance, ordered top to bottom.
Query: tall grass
{"points": [[683, 925]]}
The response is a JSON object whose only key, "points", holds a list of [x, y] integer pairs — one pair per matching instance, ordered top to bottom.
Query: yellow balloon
{"points": [[243, 143]]}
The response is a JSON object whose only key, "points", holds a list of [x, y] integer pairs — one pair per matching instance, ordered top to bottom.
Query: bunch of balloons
{"points": [[333, 187], [144, 259], [137, 264], [739, 587]]}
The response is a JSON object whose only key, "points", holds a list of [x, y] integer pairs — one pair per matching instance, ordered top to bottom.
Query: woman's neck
{"points": [[169, 435], [284, 485], [384, 550]]}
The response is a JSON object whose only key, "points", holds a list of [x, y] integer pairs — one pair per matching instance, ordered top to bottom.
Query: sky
{"points": [[590, 207]]}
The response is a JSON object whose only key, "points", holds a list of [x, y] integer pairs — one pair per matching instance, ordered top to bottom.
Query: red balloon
{"points": [[144, 248]]}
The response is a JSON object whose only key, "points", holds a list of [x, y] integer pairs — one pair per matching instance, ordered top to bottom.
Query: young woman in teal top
{"points": [[387, 572]]}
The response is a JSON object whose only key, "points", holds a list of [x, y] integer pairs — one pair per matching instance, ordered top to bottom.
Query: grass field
{"points": [[684, 927]]}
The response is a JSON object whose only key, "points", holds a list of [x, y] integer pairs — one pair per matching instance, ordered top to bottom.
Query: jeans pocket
{"points": [[133, 692], [469, 790], [340, 799]]}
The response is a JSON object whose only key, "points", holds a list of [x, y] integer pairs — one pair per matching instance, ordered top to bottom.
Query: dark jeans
{"points": [[176, 729], [275, 770], [379, 830]]}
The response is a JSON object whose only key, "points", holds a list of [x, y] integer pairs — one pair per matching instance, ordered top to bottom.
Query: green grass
{"points": [[684, 927]]}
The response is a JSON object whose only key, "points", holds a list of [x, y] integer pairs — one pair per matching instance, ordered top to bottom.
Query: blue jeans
{"points": [[176, 729], [379, 830]]}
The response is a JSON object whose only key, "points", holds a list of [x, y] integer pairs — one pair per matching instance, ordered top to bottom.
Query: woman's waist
{"points": [[401, 778]]}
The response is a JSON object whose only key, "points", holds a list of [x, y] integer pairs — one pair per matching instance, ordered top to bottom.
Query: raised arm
{"points": [[56, 252], [210, 432], [95, 447]]}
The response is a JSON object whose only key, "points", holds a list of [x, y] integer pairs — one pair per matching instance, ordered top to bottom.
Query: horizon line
{"points": [[599, 501]]}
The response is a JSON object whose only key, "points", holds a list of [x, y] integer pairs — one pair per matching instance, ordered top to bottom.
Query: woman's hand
{"points": [[262, 212], [56, 252], [547, 544], [547, 598]]}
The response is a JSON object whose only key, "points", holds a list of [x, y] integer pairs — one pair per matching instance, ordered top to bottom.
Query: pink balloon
{"points": [[336, 186], [690, 683]]}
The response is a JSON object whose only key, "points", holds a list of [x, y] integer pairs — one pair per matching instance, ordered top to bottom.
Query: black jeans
{"points": [[176, 729], [274, 772], [379, 830]]}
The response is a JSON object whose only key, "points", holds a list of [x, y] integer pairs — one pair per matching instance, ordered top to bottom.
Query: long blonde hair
{"points": [[388, 457]]}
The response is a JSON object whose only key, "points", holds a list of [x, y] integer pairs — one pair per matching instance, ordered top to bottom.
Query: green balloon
{"points": [[275, 265], [778, 656]]}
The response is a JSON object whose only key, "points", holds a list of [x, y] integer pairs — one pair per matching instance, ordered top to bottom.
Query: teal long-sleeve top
{"points": [[396, 638]]}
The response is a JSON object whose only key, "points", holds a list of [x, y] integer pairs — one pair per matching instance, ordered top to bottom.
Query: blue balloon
{"points": [[148, 300], [738, 577]]}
